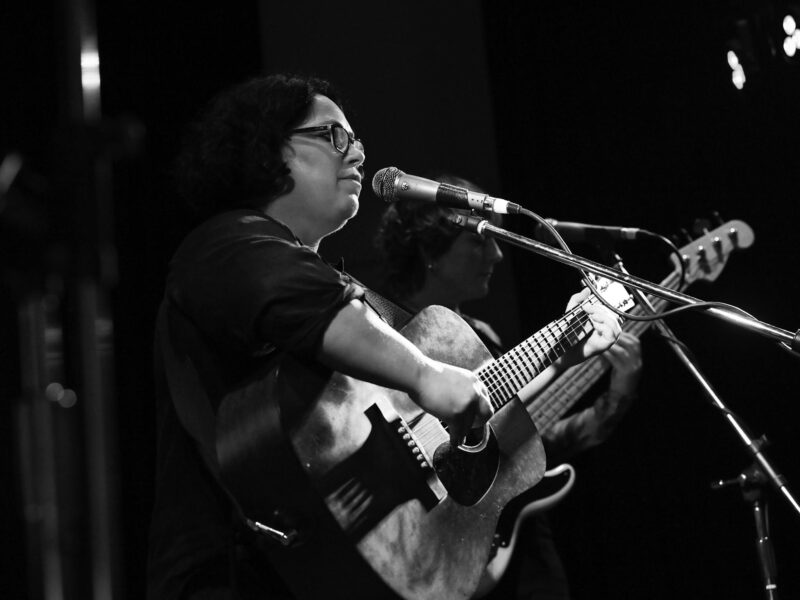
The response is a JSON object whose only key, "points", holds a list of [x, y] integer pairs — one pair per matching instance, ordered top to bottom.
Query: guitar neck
{"points": [[508, 374], [569, 387]]}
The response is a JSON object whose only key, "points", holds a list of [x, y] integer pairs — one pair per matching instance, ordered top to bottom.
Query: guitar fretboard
{"points": [[508, 374], [555, 400]]}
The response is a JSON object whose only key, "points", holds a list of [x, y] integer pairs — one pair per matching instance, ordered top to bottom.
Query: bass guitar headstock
{"points": [[705, 257]]}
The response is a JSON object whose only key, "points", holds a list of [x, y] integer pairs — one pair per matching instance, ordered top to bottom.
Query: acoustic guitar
{"points": [[363, 489]]}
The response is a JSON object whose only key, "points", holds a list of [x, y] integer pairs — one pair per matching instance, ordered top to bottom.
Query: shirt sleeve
{"points": [[248, 285]]}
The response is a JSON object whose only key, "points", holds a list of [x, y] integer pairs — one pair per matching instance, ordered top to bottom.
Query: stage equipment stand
{"points": [[67, 440], [753, 446], [752, 481]]}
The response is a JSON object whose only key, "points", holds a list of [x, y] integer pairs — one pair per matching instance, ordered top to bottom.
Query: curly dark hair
{"points": [[231, 155], [413, 233]]}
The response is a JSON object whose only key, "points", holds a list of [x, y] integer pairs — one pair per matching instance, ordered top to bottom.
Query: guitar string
{"points": [[493, 371], [500, 382], [503, 384], [570, 386], [430, 431]]}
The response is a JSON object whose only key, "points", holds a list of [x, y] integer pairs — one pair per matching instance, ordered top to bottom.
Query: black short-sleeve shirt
{"points": [[249, 288]]}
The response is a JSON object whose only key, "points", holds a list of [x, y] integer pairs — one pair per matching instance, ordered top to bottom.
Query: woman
{"points": [[277, 166], [429, 260]]}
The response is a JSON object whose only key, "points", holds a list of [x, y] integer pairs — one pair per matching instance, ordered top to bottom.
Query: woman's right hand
{"points": [[453, 395]]}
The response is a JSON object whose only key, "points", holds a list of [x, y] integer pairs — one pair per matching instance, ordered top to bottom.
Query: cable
{"points": [[673, 250]]}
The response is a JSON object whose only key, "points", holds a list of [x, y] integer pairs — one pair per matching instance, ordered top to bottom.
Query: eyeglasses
{"points": [[340, 138]]}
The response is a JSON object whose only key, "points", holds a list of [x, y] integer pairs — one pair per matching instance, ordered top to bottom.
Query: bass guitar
{"points": [[704, 259], [363, 488]]}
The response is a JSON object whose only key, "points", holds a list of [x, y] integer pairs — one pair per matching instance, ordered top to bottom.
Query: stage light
{"points": [[789, 25], [788, 36], [762, 38], [789, 47], [740, 54], [738, 76]]}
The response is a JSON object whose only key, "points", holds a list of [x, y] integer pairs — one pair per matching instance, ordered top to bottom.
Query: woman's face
{"points": [[327, 183], [465, 269]]}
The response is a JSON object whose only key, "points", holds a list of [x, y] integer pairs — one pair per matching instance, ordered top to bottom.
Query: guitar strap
{"points": [[390, 312]]}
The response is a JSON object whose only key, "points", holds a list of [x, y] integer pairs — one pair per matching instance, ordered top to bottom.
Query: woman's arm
{"points": [[358, 343]]}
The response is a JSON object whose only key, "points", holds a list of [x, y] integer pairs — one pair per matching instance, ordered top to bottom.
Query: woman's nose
{"points": [[355, 155]]}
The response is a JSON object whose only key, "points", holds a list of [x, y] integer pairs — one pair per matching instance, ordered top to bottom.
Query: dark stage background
{"points": [[620, 114]]}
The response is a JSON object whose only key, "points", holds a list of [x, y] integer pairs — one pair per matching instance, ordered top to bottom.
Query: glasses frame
{"points": [[351, 139]]}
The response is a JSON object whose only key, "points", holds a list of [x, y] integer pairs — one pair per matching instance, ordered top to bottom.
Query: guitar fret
{"points": [[535, 341], [530, 359], [516, 371], [508, 374], [498, 388], [554, 401]]}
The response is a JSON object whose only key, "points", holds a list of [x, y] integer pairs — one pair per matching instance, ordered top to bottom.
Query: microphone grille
{"points": [[383, 183]]}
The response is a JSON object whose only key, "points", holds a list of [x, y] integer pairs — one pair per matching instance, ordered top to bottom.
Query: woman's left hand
{"points": [[606, 325]]}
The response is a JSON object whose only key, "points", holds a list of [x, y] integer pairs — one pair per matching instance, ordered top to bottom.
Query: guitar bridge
{"points": [[390, 468]]}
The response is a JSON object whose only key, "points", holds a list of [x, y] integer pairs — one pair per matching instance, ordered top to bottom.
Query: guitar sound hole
{"points": [[476, 438], [467, 474]]}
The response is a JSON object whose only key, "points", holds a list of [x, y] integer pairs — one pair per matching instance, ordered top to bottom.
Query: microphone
{"points": [[392, 185], [581, 232]]}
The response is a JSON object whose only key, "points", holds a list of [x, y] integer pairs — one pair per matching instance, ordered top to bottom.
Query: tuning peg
{"points": [[715, 216], [701, 226], [733, 234], [687, 237], [702, 254]]}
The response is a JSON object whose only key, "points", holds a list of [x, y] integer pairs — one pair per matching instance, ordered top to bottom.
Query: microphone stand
{"points": [[482, 226], [636, 285], [754, 446], [753, 479], [752, 482]]}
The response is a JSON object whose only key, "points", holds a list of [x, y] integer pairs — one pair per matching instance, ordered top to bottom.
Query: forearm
{"points": [[358, 343]]}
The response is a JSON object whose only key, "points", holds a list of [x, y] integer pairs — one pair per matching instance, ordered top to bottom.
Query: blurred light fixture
{"points": [[790, 35], [740, 55], [737, 71]]}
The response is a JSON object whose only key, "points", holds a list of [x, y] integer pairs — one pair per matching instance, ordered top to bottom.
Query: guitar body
{"points": [[557, 482], [419, 513]]}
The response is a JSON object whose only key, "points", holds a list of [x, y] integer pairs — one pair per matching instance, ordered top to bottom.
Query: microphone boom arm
{"points": [[482, 226]]}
